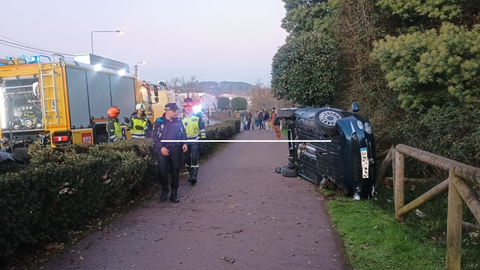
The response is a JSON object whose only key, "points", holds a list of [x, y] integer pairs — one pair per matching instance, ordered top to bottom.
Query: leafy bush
{"points": [[439, 9], [306, 16], [429, 69], [304, 70], [223, 102], [239, 103], [224, 131], [63, 188]]}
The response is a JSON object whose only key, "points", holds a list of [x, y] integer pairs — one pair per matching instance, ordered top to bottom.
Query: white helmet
{"points": [[140, 106]]}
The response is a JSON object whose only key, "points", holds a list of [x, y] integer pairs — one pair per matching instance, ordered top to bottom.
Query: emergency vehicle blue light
{"points": [[33, 59]]}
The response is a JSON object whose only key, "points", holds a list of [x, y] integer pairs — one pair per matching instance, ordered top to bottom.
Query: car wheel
{"points": [[326, 120], [101, 139], [288, 172]]}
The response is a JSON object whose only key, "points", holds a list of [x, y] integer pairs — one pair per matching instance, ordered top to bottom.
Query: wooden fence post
{"points": [[383, 168], [399, 184], [468, 196], [454, 225]]}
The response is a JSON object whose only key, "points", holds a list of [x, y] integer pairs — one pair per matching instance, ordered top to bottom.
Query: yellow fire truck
{"points": [[60, 102]]}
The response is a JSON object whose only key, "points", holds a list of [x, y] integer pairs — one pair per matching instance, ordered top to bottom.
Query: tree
{"points": [[438, 9], [306, 16], [429, 69], [304, 70], [174, 83], [192, 84], [262, 97], [223, 102], [239, 103]]}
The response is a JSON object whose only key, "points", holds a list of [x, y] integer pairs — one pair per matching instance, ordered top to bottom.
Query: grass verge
{"points": [[374, 240]]}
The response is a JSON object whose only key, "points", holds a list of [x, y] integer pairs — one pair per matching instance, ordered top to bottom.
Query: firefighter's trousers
{"points": [[192, 154]]}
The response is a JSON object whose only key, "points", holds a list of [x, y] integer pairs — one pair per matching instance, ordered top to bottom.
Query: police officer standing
{"points": [[138, 122], [113, 127], [169, 127], [195, 129]]}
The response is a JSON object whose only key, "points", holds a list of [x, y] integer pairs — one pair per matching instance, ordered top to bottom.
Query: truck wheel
{"points": [[325, 121], [102, 139], [288, 172]]}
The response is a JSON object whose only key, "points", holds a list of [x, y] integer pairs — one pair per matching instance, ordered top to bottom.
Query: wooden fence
{"points": [[458, 192]]}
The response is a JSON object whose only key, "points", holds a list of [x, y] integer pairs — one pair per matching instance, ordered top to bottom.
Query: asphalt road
{"points": [[240, 215]]}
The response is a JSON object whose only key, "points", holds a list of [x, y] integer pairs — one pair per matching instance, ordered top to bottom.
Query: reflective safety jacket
{"points": [[205, 119], [138, 126], [194, 127], [113, 130]]}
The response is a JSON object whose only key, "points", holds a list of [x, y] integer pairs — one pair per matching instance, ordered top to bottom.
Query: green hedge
{"points": [[226, 130], [63, 189]]}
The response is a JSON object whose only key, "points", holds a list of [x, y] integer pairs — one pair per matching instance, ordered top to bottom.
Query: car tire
{"points": [[326, 120], [101, 139], [288, 172]]}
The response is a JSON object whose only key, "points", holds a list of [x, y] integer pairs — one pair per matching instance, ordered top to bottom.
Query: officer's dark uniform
{"points": [[169, 130]]}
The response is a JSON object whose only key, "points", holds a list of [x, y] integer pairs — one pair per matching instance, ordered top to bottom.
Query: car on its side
{"points": [[331, 145]]}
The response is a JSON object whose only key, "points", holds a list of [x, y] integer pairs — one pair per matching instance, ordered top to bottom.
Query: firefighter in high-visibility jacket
{"points": [[138, 122], [113, 127], [195, 130]]}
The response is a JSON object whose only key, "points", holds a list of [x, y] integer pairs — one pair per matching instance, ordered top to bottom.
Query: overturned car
{"points": [[327, 144]]}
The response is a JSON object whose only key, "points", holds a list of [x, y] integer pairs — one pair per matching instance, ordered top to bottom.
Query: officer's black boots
{"points": [[189, 174], [193, 178], [164, 195], [173, 196]]}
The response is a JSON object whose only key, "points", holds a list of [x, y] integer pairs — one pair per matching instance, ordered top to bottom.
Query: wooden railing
{"points": [[458, 192]]}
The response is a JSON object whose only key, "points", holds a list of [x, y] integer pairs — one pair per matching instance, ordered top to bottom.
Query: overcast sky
{"points": [[215, 40]]}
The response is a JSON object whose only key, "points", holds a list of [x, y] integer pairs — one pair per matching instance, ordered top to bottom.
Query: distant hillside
{"points": [[221, 87]]}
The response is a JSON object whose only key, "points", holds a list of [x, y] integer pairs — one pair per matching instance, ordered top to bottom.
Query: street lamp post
{"points": [[91, 34], [136, 67]]}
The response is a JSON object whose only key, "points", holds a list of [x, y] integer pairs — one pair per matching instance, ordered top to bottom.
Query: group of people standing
{"points": [[260, 119], [263, 120], [172, 134]]}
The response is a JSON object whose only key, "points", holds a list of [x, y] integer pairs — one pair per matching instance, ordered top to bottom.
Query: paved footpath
{"points": [[240, 209]]}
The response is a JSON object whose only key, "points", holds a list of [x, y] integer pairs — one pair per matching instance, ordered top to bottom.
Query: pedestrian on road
{"points": [[243, 115], [266, 116], [249, 119], [260, 119], [138, 122], [276, 124], [113, 127], [169, 127], [195, 130]]}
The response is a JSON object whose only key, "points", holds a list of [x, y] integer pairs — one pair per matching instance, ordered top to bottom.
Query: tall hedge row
{"points": [[62, 189]]}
